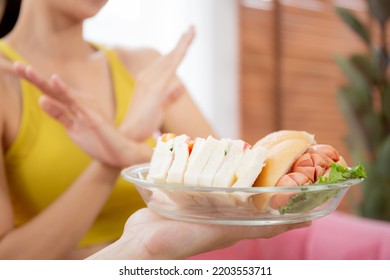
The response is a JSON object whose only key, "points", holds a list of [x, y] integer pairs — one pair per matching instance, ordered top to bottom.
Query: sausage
{"points": [[305, 171]]}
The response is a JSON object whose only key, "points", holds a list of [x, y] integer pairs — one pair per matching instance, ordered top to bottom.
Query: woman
{"points": [[55, 200]]}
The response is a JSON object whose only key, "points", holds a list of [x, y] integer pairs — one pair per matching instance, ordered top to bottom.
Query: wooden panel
{"points": [[257, 73], [308, 77]]}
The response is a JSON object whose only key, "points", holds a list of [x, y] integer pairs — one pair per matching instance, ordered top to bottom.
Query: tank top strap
{"points": [[10, 53], [123, 83], [31, 112]]}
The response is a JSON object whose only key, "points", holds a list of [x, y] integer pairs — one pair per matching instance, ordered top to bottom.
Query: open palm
{"points": [[150, 236]]}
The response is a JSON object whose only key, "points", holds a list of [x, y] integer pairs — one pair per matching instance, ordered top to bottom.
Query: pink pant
{"points": [[335, 237]]}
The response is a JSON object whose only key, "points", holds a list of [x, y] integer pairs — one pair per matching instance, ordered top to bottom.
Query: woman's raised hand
{"points": [[156, 88]]}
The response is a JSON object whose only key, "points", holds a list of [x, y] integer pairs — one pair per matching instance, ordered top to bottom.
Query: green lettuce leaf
{"points": [[340, 173], [306, 200]]}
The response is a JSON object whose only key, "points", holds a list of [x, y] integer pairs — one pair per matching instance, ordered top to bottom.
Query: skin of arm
{"points": [[6, 213], [58, 228]]}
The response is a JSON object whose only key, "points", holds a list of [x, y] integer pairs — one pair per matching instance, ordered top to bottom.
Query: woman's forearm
{"points": [[58, 228]]}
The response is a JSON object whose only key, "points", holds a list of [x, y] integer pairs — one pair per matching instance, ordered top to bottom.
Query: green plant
{"points": [[365, 103]]}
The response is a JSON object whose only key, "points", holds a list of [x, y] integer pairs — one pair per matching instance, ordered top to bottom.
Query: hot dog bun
{"points": [[274, 138], [281, 156], [280, 159]]}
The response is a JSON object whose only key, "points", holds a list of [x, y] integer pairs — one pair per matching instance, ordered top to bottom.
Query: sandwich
{"points": [[285, 158], [206, 162]]}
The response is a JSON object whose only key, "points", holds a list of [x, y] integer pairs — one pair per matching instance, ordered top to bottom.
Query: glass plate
{"points": [[237, 206]]}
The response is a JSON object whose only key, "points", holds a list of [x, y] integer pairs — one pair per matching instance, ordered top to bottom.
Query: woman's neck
{"points": [[51, 35]]}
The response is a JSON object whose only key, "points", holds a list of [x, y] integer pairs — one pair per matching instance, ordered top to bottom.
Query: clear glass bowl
{"points": [[237, 206]]}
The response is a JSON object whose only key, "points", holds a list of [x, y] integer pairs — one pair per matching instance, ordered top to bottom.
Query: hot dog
{"points": [[296, 159]]}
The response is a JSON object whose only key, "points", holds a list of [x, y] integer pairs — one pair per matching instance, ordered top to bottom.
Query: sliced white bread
{"points": [[180, 158], [198, 159], [161, 160], [214, 163], [251, 165], [226, 174]]}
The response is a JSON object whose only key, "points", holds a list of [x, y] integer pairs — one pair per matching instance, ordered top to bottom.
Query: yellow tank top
{"points": [[43, 161]]}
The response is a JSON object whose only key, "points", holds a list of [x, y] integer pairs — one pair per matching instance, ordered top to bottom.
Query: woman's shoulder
{"points": [[136, 60], [9, 81]]}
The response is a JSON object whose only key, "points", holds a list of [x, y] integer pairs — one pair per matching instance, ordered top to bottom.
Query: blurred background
{"points": [[256, 65]]}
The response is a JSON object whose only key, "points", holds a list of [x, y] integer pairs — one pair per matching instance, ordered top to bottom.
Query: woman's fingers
{"points": [[177, 54], [166, 66], [28, 73], [64, 94], [59, 100], [56, 111], [274, 230], [164, 238]]}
